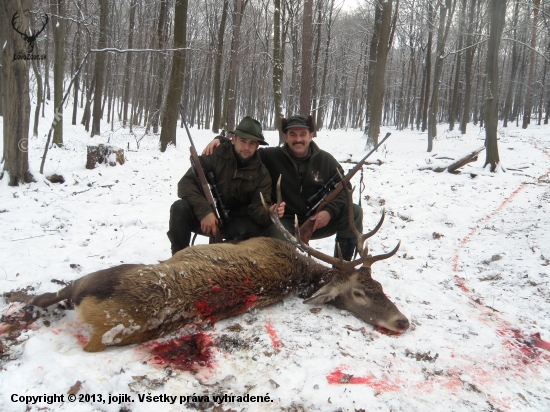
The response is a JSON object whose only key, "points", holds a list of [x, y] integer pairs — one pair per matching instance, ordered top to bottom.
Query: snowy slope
{"points": [[472, 275]]}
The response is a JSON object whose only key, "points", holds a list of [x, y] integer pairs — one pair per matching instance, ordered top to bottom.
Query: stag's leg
{"points": [[95, 344]]}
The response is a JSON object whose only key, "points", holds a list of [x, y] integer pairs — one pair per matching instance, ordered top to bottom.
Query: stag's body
{"points": [[206, 283], [134, 303]]}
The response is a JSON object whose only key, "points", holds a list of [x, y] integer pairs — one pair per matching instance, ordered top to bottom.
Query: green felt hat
{"points": [[250, 128]]}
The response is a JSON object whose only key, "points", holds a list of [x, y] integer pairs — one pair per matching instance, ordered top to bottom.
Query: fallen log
{"points": [[453, 167]]}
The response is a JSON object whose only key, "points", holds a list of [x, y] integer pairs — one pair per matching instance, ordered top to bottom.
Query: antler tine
{"points": [[13, 20], [44, 26], [275, 217], [376, 229], [358, 236], [296, 240], [371, 259]]}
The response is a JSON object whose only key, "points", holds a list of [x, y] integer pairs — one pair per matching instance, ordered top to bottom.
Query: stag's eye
{"points": [[359, 294]]}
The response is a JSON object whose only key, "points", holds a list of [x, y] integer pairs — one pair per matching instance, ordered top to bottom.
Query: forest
{"points": [[399, 63]]}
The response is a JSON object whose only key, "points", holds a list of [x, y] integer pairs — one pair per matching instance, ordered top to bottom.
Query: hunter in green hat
{"points": [[305, 168], [240, 177]]}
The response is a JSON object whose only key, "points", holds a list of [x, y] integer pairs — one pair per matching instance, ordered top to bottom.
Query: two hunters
{"points": [[238, 176], [310, 186]]}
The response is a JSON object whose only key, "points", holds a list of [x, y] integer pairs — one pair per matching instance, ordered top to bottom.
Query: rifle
{"points": [[207, 185], [313, 202], [306, 230]]}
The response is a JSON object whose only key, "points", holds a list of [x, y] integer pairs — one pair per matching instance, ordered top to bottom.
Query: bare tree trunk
{"points": [[497, 12], [59, 29], [442, 34], [161, 38], [307, 43], [373, 50], [515, 58], [468, 66], [428, 67], [218, 70], [277, 70], [99, 71], [127, 74], [314, 80], [76, 86], [379, 86], [39, 96], [321, 104], [17, 106], [527, 108], [453, 112], [230, 117], [170, 118]]}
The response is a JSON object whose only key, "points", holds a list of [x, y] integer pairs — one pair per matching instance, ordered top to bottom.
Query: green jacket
{"points": [[319, 167], [239, 188]]}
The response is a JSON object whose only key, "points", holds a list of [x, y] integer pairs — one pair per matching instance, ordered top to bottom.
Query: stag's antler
{"points": [[13, 20], [35, 35], [365, 259]]}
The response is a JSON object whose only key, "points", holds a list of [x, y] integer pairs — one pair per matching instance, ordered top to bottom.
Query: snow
{"points": [[471, 275]]}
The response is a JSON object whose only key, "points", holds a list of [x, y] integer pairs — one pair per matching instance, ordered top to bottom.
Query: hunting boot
{"points": [[347, 247]]}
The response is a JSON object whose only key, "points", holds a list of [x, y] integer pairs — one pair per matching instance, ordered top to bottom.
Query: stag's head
{"points": [[30, 39], [351, 288]]}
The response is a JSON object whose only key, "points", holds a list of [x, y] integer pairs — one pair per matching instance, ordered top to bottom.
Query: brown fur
{"points": [[134, 303]]}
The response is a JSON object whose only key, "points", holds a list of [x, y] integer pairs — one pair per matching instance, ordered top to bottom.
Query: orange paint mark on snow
{"points": [[337, 377]]}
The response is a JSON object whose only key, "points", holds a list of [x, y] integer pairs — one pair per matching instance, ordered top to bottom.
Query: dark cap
{"points": [[297, 121], [250, 128]]}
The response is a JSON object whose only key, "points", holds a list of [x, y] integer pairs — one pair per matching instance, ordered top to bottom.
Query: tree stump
{"points": [[110, 155]]}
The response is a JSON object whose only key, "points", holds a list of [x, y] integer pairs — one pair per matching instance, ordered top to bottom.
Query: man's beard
{"points": [[240, 160]]}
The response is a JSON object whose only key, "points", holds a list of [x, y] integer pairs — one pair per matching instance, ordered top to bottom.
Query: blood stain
{"points": [[385, 331], [272, 334], [82, 340], [189, 352]]}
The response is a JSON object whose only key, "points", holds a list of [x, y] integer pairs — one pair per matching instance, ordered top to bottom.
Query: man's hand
{"points": [[209, 149], [280, 210], [320, 220], [209, 224]]}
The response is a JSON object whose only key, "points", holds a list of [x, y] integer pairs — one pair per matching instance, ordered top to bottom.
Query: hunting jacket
{"points": [[302, 179], [239, 188]]}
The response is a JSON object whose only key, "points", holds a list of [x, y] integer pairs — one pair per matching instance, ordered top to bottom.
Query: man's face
{"points": [[298, 140], [245, 148]]}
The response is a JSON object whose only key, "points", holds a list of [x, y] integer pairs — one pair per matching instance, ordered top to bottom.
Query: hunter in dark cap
{"points": [[305, 168], [240, 177]]}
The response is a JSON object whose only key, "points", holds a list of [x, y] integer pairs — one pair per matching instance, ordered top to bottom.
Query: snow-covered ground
{"points": [[472, 276]]}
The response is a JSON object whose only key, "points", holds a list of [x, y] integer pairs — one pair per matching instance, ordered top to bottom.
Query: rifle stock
{"points": [[199, 173], [306, 230]]}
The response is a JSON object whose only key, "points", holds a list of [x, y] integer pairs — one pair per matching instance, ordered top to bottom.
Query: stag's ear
{"points": [[323, 295]]}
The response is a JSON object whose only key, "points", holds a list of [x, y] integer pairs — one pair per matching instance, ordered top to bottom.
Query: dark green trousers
{"points": [[183, 221]]}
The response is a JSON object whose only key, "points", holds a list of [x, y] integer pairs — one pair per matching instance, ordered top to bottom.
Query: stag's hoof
{"points": [[18, 296]]}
